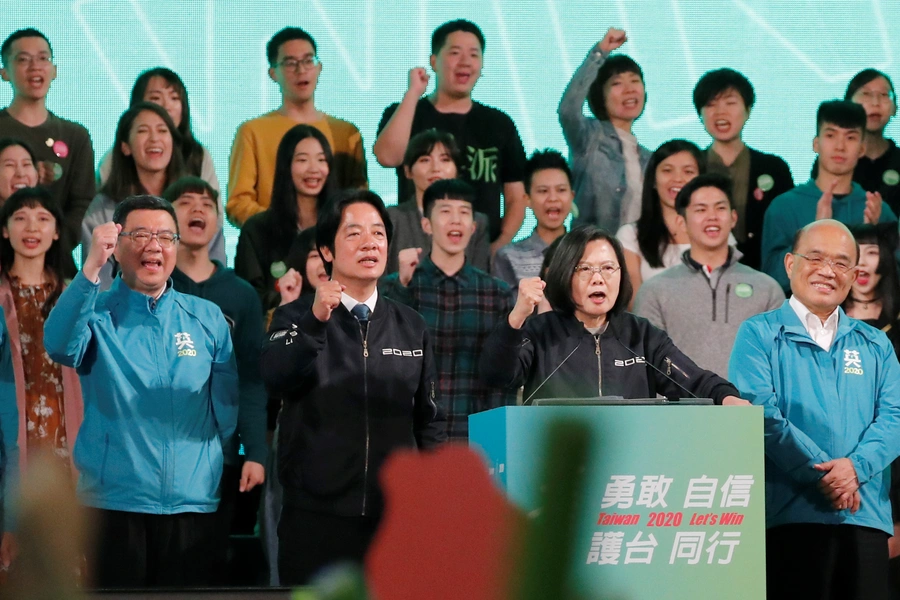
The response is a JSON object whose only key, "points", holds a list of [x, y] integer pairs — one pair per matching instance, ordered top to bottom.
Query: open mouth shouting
{"points": [[462, 77], [36, 81], [631, 104], [722, 126], [197, 225], [455, 236], [152, 264], [597, 297]]}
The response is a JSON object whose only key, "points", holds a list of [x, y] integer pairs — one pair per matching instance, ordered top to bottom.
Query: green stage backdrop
{"points": [[795, 53], [674, 496]]}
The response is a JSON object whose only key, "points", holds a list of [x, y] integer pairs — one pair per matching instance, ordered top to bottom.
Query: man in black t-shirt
{"points": [[495, 157]]}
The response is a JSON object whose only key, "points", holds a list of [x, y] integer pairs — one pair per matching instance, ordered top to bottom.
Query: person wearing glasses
{"points": [[295, 67], [839, 143], [62, 148], [878, 170], [709, 290], [588, 345], [160, 384], [830, 389]]}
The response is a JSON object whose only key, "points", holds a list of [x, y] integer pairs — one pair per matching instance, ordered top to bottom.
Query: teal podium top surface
{"points": [[674, 496]]}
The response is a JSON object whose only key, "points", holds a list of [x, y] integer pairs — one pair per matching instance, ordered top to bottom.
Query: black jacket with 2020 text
{"points": [[588, 366], [353, 393]]}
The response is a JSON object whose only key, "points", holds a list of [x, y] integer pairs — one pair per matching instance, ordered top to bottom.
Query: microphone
{"points": [[654, 367], [546, 379]]}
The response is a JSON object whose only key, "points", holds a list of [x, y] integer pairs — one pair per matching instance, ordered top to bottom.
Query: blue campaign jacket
{"points": [[160, 395], [821, 405], [9, 429]]}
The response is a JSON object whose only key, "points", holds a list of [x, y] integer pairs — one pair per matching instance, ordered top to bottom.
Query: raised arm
{"points": [[571, 105], [390, 145], [67, 333], [507, 354]]}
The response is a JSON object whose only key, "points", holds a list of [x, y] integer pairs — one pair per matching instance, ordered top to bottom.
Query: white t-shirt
{"points": [[634, 178], [627, 235]]}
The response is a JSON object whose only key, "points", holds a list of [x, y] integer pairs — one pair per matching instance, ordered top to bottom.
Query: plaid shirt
{"points": [[460, 312]]}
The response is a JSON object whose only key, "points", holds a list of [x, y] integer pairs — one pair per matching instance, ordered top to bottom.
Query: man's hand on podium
{"points": [[735, 401]]}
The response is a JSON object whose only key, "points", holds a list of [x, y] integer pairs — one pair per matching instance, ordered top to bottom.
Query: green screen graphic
{"points": [[795, 53]]}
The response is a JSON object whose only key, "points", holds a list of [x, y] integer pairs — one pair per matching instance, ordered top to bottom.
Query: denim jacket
{"points": [[595, 152]]}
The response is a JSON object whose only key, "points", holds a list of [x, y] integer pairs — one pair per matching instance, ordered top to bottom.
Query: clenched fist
{"points": [[613, 39], [418, 81], [103, 243], [408, 259], [289, 286], [531, 293], [328, 296]]}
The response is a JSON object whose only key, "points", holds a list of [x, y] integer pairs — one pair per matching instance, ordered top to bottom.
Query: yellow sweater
{"points": [[251, 168]]}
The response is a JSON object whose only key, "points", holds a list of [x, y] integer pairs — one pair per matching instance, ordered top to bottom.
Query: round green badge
{"points": [[891, 177], [765, 182], [278, 269], [743, 290]]}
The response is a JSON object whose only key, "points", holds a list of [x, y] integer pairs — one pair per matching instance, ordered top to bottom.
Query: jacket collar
{"points": [[734, 255], [435, 275], [136, 301], [796, 329]]}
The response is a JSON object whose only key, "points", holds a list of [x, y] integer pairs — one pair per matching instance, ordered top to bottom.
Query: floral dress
{"points": [[45, 418]]}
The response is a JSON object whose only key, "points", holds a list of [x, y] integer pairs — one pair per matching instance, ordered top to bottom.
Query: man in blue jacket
{"points": [[830, 389], [160, 402]]}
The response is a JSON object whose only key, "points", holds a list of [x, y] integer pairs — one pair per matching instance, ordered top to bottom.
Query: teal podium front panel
{"points": [[674, 496]]}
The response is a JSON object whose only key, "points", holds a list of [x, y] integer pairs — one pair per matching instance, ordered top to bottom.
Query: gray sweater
{"points": [[702, 314]]}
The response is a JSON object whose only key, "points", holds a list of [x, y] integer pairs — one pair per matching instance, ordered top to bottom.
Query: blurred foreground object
{"points": [[51, 533]]}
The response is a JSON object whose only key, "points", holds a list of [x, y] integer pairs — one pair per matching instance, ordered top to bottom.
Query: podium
{"points": [[673, 501]]}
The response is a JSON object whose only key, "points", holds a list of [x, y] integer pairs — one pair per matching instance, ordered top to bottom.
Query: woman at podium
{"points": [[588, 345]]}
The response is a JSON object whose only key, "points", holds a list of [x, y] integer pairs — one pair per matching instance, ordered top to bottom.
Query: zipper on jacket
{"points": [[727, 294], [714, 303], [364, 332], [599, 366], [677, 368]]}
